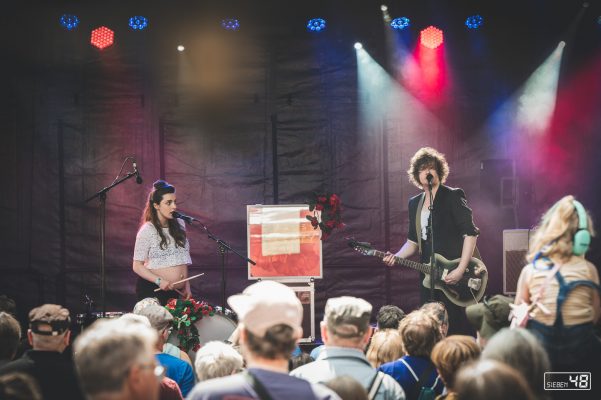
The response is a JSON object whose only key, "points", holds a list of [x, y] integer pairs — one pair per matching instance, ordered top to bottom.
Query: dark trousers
{"points": [[146, 289], [458, 323]]}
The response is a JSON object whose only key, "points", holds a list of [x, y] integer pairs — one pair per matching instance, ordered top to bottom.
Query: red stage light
{"points": [[102, 37], [431, 37]]}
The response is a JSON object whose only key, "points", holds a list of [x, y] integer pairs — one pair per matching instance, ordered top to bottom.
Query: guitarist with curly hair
{"points": [[455, 234]]}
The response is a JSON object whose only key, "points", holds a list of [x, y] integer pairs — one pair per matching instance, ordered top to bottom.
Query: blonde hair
{"points": [[554, 235], [420, 332], [385, 346], [451, 353]]}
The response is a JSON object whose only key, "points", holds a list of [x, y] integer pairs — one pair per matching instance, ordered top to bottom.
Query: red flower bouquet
{"points": [[326, 209], [185, 314]]}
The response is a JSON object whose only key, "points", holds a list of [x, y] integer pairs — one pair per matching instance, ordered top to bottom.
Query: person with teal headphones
{"points": [[562, 289]]}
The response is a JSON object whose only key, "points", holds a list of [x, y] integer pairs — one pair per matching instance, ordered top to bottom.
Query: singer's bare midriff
{"points": [[173, 274]]}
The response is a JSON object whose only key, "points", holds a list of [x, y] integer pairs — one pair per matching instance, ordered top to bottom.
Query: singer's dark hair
{"points": [[427, 157], [159, 189]]}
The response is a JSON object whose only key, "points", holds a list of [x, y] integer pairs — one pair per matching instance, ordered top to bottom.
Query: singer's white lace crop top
{"points": [[148, 249]]}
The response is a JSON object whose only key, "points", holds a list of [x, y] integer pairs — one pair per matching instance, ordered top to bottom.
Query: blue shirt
{"points": [[178, 370], [408, 377]]}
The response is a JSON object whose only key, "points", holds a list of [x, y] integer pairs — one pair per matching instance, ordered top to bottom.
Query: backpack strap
{"points": [[418, 222], [424, 376], [421, 381], [256, 385], [375, 385]]}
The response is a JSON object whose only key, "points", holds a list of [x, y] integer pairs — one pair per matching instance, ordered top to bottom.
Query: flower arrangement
{"points": [[326, 209], [185, 314]]}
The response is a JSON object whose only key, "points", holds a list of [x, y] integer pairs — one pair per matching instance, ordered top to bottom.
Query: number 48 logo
{"points": [[580, 381]]}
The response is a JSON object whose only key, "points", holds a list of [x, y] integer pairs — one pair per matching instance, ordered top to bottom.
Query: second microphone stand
{"points": [[223, 247]]}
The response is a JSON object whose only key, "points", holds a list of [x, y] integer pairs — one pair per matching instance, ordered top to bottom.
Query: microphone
{"points": [[138, 177], [429, 178], [183, 217]]}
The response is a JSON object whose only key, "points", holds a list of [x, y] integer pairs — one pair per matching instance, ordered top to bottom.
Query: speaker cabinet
{"points": [[515, 248]]}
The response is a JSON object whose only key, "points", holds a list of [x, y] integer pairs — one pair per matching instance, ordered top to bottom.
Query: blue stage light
{"points": [[69, 21], [474, 21], [138, 22], [400, 23], [230, 24], [316, 25]]}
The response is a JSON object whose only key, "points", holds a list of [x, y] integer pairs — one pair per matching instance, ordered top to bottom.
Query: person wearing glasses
{"points": [[115, 359], [175, 368]]}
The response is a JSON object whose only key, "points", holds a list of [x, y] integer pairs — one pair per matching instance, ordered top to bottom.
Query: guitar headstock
{"points": [[364, 248]]}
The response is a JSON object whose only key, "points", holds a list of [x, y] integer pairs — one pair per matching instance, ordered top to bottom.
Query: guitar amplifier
{"points": [[516, 244]]}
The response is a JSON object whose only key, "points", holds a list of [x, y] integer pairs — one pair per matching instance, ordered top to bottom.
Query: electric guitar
{"points": [[469, 290]]}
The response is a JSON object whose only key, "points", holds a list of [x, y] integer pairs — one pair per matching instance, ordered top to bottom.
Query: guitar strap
{"points": [[418, 222], [418, 228]]}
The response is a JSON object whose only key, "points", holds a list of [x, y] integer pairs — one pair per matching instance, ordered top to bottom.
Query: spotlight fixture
{"points": [[384, 7], [69, 21], [474, 21], [138, 22], [400, 23], [230, 24], [316, 25], [102, 37], [431, 37], [358, 46], [180, 48]]}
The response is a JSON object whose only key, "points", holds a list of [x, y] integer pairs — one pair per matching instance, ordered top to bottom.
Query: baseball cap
{"points": [[265, 304], [347, 316], [490, 316], [49, 320]]}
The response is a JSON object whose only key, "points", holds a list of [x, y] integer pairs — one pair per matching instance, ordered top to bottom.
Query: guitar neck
{"points": [[424, 268]]}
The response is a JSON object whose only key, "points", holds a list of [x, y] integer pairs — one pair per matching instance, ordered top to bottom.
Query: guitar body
{"points": [[459, 294]]}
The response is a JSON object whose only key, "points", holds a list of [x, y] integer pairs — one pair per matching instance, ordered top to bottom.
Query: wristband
{"points": [[157, 281]]}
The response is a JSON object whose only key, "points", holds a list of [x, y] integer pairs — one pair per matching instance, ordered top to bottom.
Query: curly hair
{"points": [[427, 157], [159, 189], [555, 233]]}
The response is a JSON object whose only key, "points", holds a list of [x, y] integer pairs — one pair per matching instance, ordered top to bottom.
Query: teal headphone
{"points": [[582, 237]]}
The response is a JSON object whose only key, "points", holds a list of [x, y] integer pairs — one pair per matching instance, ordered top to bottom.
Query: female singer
{"points": [[162, 251]]}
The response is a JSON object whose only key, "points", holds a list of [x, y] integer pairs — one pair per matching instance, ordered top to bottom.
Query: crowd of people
{"points": [[404, 356]]}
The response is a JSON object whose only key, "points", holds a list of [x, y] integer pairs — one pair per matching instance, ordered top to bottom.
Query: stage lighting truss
{"points": [[69, 21], [474, 21], [138, 22], [400, 23], [230, 24], [316, 25], [102, 37], [431, 37]]}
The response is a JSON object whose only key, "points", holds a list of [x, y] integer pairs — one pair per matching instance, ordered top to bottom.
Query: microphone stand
{"points": [[101, 194], [223, 247], [433, 266]]}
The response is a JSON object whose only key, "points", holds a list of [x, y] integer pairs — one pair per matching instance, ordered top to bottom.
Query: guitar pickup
{"points": [[474, 283]]}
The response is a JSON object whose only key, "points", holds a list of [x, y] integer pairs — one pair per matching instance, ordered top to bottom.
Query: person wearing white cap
{"points": [[270, 318], [345, 330]]}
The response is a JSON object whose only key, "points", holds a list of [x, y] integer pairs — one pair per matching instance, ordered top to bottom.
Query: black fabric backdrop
{"points": [[265, 115]]}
